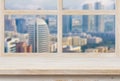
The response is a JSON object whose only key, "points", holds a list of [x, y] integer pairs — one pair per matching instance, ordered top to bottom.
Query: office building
{"points": [[99, 19], [87, 20], [67, 24], [21, 25], [39, 36]]}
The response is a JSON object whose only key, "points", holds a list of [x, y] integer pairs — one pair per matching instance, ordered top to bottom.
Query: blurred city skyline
{"points": [[81, 33]]}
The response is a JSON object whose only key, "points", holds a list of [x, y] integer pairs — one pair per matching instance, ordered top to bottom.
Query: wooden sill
{"points": [[60, 72]]}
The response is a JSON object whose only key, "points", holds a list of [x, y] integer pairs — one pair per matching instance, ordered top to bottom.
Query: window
{"points": [[82, 27], [30, 33], [88, 33]]}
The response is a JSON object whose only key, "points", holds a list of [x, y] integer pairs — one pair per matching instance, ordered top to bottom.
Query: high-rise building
{"points": [[98, 6], [44, 17], [99, 19], [87, 20], [10, 24], [67, 24], [21, 25], [31, 31], [39, 36], [43, 36], [10, 45], [22, 47]]}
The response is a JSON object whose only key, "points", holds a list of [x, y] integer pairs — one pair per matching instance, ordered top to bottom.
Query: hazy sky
{"points": [[30, 4], [52, 4]]}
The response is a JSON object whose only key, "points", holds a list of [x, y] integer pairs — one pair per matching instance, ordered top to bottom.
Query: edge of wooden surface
{"points": [[60, 72]]}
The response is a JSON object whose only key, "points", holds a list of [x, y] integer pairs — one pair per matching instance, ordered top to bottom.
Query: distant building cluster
{"points": [[79, 41], [74, 44], [98, 50]]}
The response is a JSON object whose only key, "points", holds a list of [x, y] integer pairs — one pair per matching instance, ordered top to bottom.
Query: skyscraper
{"points": [[99, 19], [87, 20], [10, 24], [67, 24], [21, 25], [31, 31], [39, 35], [43, 36]]}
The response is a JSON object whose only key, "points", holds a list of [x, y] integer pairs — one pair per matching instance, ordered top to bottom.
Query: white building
{"points": [[31, 31], [39, 36], [43, 36], [10, 45]]}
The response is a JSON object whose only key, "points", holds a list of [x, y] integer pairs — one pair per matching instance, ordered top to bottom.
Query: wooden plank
{"points": [[60, 72]]}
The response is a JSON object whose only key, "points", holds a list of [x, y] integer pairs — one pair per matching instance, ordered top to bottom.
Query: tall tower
{"points": [[99, 19], [67, 24], [21, 25], [87, 25], [31, 31], [39, 35], [43, 36]]}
